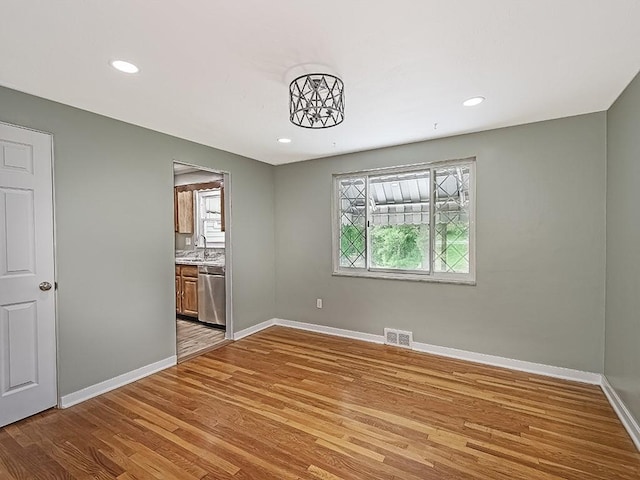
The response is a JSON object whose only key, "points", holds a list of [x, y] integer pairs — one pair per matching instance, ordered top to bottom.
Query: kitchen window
{"points": [[209, 217], [412, 223]]}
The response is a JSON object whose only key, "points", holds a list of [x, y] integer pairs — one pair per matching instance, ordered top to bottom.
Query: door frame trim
{"points": [[55, 250], [228, 250]]}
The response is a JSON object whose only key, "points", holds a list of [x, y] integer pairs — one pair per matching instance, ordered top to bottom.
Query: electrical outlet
{"points": [[187, 241], [318, 303]]}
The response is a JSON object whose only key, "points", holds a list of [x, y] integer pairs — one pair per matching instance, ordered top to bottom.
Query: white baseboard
{"points": [[310, 327], [254, 329], [338, 332], [493, 360], [511, 363], [113, 383], [625, 416]]}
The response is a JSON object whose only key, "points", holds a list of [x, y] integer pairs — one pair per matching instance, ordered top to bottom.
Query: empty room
{"points": [[334, 240]]}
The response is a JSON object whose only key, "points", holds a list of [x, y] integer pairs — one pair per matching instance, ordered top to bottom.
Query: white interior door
{"points": [[27, 297]]}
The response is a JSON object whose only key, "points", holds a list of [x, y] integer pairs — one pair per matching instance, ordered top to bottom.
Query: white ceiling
{"points": [[217, 71]]}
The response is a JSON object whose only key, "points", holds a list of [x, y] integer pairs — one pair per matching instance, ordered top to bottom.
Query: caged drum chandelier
{"points": [[316, 100]]}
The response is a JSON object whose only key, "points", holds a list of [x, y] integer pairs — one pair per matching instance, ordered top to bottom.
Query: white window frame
{"points": [[218, 240], [368, 271]]}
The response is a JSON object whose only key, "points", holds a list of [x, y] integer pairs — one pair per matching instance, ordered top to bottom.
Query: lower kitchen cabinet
{"points": [[187, 290], [178, 294]]}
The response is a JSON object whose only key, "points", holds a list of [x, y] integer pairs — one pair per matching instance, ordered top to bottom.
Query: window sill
{"points": [[405, 276]]}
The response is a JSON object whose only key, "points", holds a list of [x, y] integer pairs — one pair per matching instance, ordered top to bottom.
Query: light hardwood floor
{"points": [[195, 339], [286, 405]]}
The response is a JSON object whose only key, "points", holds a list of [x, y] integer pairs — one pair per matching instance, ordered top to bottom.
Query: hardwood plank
{"points": [[289, 405]]}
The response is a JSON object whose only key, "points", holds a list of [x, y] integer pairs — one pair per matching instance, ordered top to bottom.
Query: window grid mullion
{"points": [[336, 211], [367, 216], [432, 228]]}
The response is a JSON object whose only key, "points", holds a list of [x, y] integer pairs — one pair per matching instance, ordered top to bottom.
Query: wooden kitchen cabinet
{"points": [[183, 201], [222, 221], [187, 290], [178, 294], [190, 296]]}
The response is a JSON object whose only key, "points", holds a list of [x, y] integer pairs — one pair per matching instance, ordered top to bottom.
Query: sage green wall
{"points": [[114, 217], [540, 247], [622, 334]]}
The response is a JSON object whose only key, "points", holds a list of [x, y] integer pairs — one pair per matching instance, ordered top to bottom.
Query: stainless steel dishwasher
{"points": [[211, 295]]}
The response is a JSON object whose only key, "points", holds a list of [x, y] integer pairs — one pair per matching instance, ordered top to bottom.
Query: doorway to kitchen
{"points": [[202, 259]]}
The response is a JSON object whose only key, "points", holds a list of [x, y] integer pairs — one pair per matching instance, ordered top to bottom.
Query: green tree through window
{"points": [[352, 241], [399, 246]]}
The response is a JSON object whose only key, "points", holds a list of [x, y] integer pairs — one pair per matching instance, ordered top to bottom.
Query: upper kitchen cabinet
{"points": [[222, 207], [183, 209]]}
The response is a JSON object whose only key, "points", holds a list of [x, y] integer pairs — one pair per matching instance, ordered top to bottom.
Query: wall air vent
{"points": [[390, 336], [398, 338], [405, 339]]}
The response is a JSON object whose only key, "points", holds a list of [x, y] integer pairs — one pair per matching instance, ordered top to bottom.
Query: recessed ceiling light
{"points": [[124, 67], [472, 102], [284, 140]]}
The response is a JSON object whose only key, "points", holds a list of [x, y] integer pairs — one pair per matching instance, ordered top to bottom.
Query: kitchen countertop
{"points": [[215, 257], [216, 262]]}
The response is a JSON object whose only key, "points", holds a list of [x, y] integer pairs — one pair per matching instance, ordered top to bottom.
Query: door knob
{"points": [[44, 286]]}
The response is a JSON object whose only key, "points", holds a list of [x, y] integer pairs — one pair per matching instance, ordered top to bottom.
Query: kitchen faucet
{"points": [[204, 246]]}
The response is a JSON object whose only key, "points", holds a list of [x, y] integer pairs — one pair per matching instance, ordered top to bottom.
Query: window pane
{"points": [[352, 200], [211, 205], [209, 216], [452, 219], [400, 221], [211, 228]]}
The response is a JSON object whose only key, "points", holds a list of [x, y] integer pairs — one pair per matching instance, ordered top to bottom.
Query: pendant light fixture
{"points": [[316, 100]]}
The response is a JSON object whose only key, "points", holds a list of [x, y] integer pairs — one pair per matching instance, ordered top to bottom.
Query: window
{"points": [[209, 217], [412, 222]]}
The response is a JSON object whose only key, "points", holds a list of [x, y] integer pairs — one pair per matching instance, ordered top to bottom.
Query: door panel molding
{"points": [[19, 326]]}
